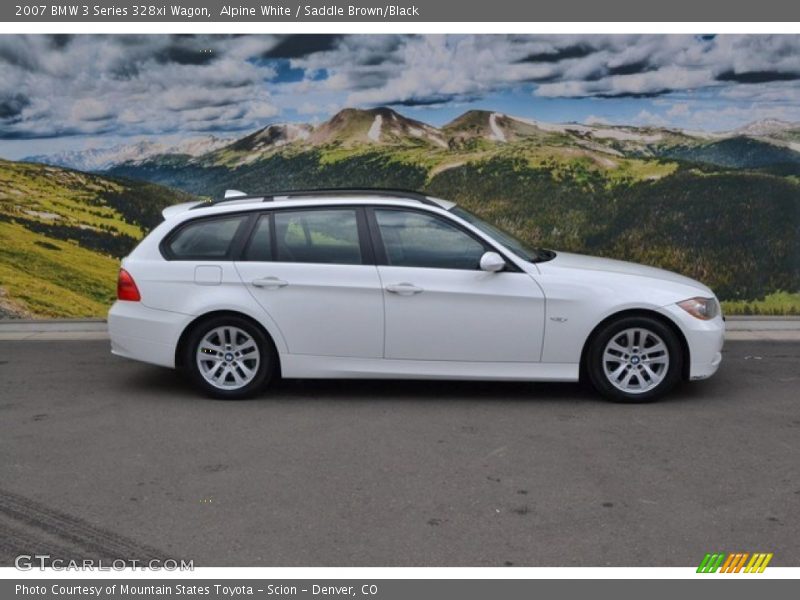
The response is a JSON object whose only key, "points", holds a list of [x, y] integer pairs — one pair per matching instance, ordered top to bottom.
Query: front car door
{"points": [[312, 271], [439, 304]]}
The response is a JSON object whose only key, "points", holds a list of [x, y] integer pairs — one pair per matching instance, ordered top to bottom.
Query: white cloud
{"points": [[138, 85], [90, 109], [679, 109], [645, 117], [596, 120]]}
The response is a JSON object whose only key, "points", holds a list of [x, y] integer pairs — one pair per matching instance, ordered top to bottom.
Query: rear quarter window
{"points": [[204, 239]]}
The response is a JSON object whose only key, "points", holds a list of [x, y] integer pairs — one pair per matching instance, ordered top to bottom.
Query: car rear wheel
{"points": [[229, 358], [634, 359]]}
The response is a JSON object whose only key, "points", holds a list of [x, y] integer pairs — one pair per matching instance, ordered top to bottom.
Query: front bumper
{"points": [[145, 334], [704, 338]]}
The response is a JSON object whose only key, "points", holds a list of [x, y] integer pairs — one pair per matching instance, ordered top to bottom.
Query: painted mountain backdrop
{"points": [[722, 207]]}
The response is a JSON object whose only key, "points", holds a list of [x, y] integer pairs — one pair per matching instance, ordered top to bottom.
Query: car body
{"points": [[392, 284]]}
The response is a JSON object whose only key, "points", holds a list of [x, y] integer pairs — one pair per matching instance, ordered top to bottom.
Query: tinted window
{"points": [[317, 236], [207, 238], [414, 239], [260, 246]]}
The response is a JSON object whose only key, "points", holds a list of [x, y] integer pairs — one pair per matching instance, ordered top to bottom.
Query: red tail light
{"points": [[126, 287]]}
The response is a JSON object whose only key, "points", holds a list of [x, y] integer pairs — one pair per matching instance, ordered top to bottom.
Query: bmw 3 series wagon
{"points": [[396, 284]]}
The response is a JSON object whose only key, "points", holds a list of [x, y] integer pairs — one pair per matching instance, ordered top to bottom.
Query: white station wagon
{"points": [[395, 284]]}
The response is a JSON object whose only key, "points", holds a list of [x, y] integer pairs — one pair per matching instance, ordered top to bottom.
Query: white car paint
{"points": [[320, 306], [455, 310], [332, 321]]}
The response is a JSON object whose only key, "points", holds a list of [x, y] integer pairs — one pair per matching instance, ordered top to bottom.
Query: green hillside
{"points": [[738, 152], [62, 234]]}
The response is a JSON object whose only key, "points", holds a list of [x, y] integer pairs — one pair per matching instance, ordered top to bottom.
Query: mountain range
{"points": [[761, 143], [101, 159]]}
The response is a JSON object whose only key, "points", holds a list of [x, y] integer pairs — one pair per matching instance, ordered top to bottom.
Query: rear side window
{"points": [[317, 236], [205, 239], [259, 248]]}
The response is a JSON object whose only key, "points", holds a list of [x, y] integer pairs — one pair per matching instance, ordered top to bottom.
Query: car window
{"points": [[317, 236], [206, 238], [414, 239], [259, 248]]}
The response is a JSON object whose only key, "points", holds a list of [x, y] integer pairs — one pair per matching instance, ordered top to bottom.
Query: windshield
{"points": [[511, 243]]}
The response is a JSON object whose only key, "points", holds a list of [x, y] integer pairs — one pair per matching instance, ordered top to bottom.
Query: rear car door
{"points": [[312, 270], [439, 304]]}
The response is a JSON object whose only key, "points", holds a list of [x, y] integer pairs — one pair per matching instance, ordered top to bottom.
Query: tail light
{"points": [[126, 287]]}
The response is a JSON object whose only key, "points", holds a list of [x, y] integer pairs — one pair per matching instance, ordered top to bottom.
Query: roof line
{"points": [[322, 192]]}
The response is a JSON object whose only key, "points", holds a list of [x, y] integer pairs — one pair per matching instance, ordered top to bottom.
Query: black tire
{"points": [[268, 359], [603, 384]]}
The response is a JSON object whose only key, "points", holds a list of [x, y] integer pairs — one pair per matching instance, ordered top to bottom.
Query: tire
{"points": [[229, 358], [634, 359]]}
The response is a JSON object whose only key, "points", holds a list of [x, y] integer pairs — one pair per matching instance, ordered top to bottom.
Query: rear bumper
{"points": [[145, 334], [704, 338]]}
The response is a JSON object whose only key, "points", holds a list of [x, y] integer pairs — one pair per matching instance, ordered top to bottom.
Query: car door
{"points": [[312, 271], [439, 304]]}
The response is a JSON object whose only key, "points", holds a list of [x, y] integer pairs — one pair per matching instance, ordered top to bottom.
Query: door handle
{"points": [[270, 283], [403, 289]]}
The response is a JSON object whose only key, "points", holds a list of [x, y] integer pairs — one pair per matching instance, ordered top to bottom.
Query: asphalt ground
{"points": [[111, 458]]}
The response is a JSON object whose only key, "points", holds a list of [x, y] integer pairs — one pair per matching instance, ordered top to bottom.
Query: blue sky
{"points": [[78, 92]]}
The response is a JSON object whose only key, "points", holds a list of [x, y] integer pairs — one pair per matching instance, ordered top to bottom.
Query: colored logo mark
{"points": [[735, 562]]}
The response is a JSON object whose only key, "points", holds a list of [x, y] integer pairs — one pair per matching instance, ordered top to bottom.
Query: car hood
{"points": [[567, 260]]}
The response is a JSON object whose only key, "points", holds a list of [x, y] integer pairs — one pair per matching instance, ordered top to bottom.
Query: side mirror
{"points": [[492, 262]]}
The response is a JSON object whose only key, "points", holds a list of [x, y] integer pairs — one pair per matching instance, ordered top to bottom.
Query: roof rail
{"points": [[237, 196]]}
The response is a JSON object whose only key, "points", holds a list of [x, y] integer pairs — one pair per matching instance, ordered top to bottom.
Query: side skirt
{"points": [[303, 366]]}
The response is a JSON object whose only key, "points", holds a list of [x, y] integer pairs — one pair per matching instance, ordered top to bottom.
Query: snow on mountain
{"points": [[382, 125], [766, 127], [374, 132], [497, 132], [621, 133], [272, 136], [197, 146], [251, 147], [100, 159]]}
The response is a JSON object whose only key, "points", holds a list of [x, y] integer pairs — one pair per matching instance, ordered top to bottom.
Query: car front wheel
{"points": [[229, 358], [634, 359]]}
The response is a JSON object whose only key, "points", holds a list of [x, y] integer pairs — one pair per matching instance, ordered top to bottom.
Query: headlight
{"points": [[701, 308]]}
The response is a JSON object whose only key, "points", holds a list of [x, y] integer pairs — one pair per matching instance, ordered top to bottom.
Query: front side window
{"points": [[317, 236], [205, 238], [414, 239], [516, 246]]}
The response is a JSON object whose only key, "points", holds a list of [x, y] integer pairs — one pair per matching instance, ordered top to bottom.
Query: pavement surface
{"points": [[106, 457]]}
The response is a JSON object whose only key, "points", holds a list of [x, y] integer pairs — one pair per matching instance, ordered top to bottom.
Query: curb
{"points": [[52, 325], [750, 328]]}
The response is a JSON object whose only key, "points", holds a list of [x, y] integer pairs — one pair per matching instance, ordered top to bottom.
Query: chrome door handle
{"points": [[270, 283], [403, 289]]}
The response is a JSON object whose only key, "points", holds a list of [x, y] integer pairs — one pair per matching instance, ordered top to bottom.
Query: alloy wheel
{"points": [[228, 357], [635, 360]]}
